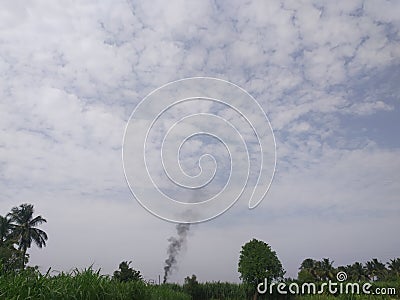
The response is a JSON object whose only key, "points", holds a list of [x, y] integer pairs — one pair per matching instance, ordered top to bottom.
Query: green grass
{"points": [[86, 284], [89, 284]]}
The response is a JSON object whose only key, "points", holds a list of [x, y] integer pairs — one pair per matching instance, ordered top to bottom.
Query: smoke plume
{"points": [[175, 246]]}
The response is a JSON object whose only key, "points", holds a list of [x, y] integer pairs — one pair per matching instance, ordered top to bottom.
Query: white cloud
{"points": [[370, 107]]}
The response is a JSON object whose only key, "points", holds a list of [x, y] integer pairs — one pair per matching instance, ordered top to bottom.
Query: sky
{"points": [[326, 74]]}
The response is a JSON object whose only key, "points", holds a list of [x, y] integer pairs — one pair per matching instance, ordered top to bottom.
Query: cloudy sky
{"points": [[325, 73]]}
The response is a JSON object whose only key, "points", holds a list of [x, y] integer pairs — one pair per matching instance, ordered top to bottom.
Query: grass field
{"points": [[86, 284], [90, 284]]}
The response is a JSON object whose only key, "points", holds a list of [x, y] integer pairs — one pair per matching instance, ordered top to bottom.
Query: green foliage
{"points": [[19, 228], [10, 258], [257, 261], [394, 269], [313, 270], [375, 270], [356, 272], [125, 273], [305, 275], [85, 284], [90, 284], [191, 287], [222, 290]]}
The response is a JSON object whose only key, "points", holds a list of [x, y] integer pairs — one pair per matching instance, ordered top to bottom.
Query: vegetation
{"points": [[19, 228], [17, 231], [257, 261], [373, 271], [125, 273], [86, 284], [90, 284]]}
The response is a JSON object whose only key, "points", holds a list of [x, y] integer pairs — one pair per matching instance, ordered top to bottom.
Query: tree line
{"points": [[374, 270]]}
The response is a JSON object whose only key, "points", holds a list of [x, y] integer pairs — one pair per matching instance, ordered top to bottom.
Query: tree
{"points": [[25, 230], [10, 257], [258, 261], [307, 264], [394, 267], [327, 269], [316, 270], [370, 270], [376, 270], [307, 271], [357, 272], [125, 273], [305, 275], [192, 287]]}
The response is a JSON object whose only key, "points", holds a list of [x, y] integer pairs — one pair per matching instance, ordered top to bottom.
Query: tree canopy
{"points": [[258, 261], [126, 273]]}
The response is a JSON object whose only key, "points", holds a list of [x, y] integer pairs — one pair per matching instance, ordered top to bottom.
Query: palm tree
{"points": [[25, 228], [394, 266], [380, 268], [323, 269], [327, 269], [370, 270], [376, 270], [357, 272]]}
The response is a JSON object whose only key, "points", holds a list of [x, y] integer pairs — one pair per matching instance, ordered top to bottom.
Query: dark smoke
{"points": [[175, 246]]}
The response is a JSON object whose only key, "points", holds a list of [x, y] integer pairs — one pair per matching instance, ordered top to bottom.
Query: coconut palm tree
{"points": [[25, 230], [394, 267], [327, 269], [370, 270], [376, 270], [357, 272]]}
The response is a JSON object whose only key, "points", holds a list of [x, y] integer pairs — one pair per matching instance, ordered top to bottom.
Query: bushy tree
{"points": [[258, 261], [307, 271], [126, 273], [305, 275]]}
